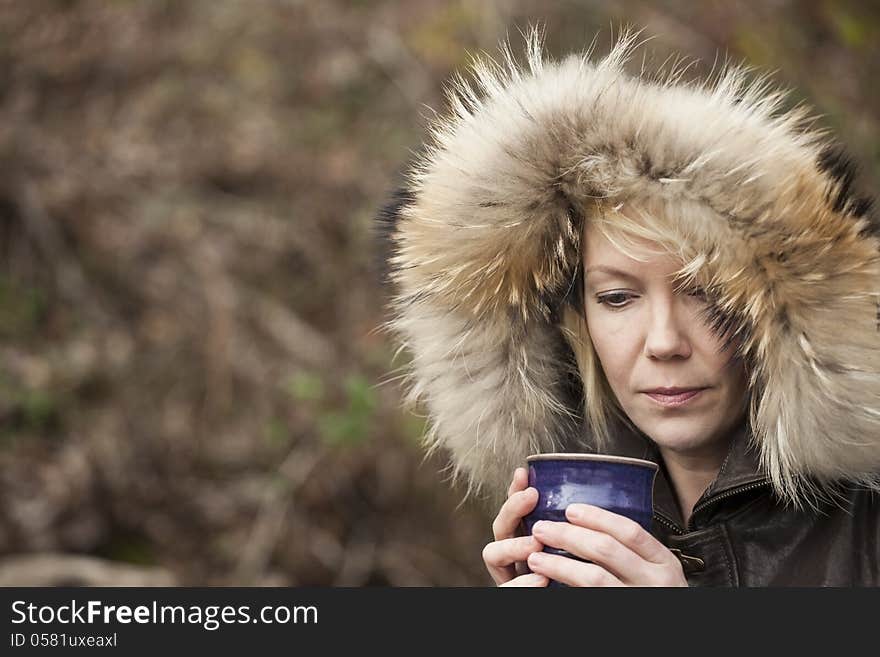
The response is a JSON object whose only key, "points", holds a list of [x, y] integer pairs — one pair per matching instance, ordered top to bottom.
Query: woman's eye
{"points": [[697, 292], [614, 300]]}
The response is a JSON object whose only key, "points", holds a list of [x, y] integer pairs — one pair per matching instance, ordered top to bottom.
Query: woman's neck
{"points": [[690, 473]]}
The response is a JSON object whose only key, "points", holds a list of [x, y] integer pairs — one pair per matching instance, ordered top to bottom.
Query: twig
{"points": [[69, 276], [300, 340], [276, 504], [53, 569]]}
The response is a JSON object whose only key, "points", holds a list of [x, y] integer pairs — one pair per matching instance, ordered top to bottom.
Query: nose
{"points": [[667, 332]]}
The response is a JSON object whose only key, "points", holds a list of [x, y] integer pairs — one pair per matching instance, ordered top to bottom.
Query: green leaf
{"points": [[852, 31], [21, 308], [305, 387], [361, 396], [39, 408], [340, 429], [276, 432]]}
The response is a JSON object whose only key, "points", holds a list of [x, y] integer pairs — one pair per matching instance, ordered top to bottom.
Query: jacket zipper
{"points": [[721, 496], [663, 520]]}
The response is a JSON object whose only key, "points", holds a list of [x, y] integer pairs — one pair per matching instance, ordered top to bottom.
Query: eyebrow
{"points": [[612, 271]]}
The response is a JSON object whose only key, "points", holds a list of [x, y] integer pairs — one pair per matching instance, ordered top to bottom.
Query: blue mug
{"points": [[619, 484]]}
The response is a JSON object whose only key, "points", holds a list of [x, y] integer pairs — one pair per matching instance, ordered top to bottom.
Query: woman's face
{"points": [[648, 337]]}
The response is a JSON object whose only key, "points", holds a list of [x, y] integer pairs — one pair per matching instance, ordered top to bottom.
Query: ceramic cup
{"points": [[617, 483]]}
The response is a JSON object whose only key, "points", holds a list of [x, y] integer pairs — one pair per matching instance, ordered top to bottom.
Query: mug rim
{"points": [[576, 456]]}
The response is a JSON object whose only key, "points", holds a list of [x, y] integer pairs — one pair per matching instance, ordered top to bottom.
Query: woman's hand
{"points": [[623, 554], [505, 557]]}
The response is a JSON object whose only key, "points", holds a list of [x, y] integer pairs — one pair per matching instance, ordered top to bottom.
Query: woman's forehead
{"points": [[634, 257]]}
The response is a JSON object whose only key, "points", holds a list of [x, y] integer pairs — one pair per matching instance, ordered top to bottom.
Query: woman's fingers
{"points": [[520, 481], [516, 506], [628, 532], [594, 546], [620, 547], [510, 550], [500, 556], [505, 557], [570, 571], [532, 579]]}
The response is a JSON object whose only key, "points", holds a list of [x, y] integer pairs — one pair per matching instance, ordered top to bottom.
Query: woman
{"points": [[590, 261]]}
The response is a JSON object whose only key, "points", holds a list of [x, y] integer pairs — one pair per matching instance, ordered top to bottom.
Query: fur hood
{"points": [[485, 252]]}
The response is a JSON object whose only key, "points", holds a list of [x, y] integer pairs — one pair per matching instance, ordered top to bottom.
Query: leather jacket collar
{"points": [[740, 468]]}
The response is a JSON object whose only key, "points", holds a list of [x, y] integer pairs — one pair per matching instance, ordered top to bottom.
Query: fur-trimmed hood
{"points": [[486, 248]]}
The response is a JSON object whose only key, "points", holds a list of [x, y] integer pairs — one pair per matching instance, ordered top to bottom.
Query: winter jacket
{"points": [[485, 268], [741, 534]]}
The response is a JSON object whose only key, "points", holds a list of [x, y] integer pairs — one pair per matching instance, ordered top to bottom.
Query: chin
{"points": [[678, 433]]}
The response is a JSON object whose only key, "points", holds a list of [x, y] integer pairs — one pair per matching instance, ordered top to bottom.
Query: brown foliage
{"points": [[190, 364]]}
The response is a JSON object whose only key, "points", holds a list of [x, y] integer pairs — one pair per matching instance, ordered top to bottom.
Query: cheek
{"points": [[612, 342], [723, 363], [728, 370], [735, 378]]}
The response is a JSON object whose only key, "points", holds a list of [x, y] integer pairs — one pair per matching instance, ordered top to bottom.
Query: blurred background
{"points": [[194, 385]]}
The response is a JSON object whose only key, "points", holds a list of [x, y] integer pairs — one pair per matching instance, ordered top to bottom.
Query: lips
{"points": [[674, 396]]}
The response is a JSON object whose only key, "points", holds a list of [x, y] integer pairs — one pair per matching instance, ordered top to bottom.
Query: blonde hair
{"points": [[639, 228]]}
